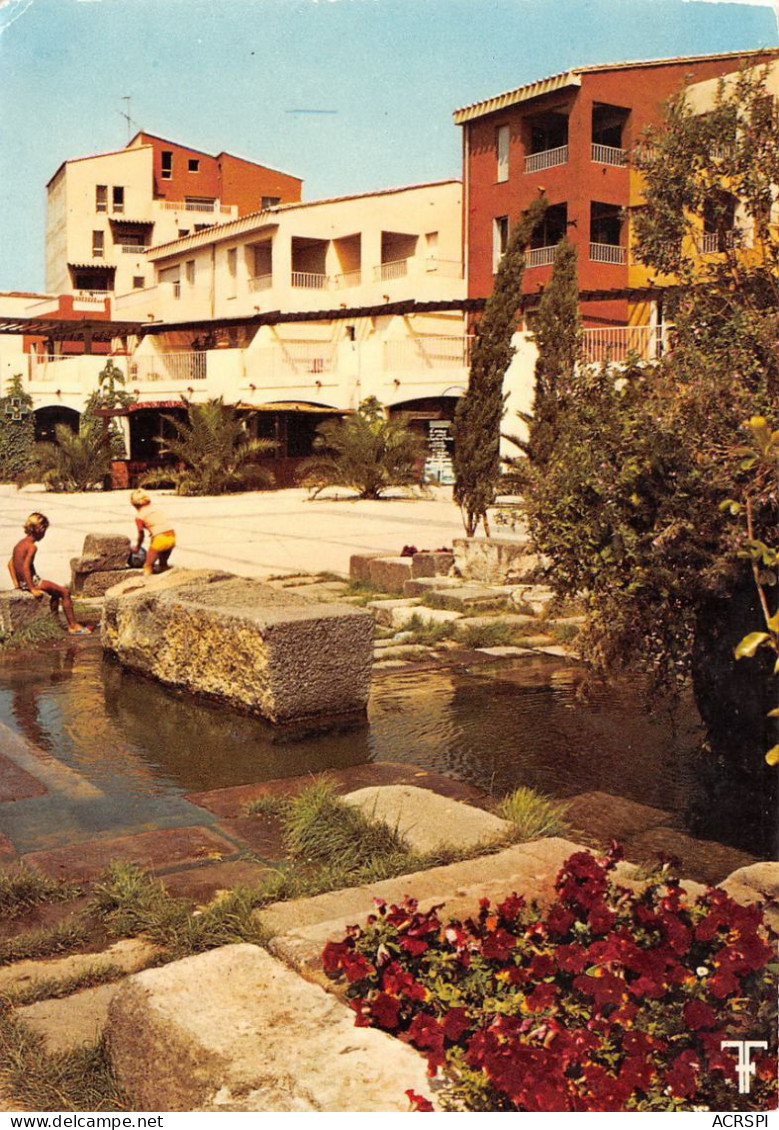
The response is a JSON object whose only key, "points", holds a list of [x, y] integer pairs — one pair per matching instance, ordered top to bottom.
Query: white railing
{"points": [[609, 155], [546, 159], [196, 206], [717, 241], [132, 248], [608, 253], [540, 256], [394, 269], [347, 279], [310, 280], [261, 282], [95, 297], [617, 343], [425, 353], [292, 363], [190, 366]]}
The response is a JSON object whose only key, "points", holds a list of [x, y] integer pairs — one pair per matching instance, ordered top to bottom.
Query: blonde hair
{"points": [[139, 498], [36, 523]]}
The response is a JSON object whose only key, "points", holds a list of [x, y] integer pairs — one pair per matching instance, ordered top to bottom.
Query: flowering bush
{"points": [[606, 1001]]}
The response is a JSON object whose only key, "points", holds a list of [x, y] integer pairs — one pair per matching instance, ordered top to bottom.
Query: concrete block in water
{"points": [[18, 609], [274, 653]]}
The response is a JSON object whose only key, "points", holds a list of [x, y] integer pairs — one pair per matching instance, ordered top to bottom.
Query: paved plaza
{"points": [[258, 534]]}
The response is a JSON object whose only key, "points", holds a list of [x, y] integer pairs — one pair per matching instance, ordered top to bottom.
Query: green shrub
{"points": [[533, 814]]}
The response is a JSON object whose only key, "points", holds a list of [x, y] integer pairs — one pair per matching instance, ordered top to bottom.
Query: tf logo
{"points": [[744, 1065]]}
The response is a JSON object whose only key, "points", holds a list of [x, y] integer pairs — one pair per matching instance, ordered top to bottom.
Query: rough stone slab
{"points": [[106, 551], [498, 561], [435, 564], [360, 566], [388, 574], [97, 583], [421, 586], [320, 590], [470, 597], [535, 599], [20, 609], [383, 609], [401, 617], [403, 651], [272, 652], [507, 652], [16, 783], [608, 817], [428, 822], [153, 851], [703, 859], [758, 882], [301, 927], [129, 955], [71, 1022], [234, 1030]]}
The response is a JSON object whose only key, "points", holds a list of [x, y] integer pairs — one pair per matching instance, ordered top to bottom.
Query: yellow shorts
{"points": [[162, 542]]}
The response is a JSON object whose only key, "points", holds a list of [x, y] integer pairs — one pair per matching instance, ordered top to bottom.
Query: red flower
{"points": [[511, 908], [600, 919], [559, 920], [497, 945], [572, 959], [542, 965], [400, 982], [604, 989], [541, 997], [385, 1010], [697, 1015], [455, 1022], [426, 1034], [682, 1075], [418, 1102]]}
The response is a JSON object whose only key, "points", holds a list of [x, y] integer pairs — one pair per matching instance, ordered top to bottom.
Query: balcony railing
{"points": [[609, 155], [546, 159], [196, 206], [717, 241], [132, 248], [608, 253], [541, 256], [447, 268], [393, 269], [347, 279], [309, 280], [261, 282], [97, 297], [617, 343], [422, 354], [293, 363], [169, 367]]}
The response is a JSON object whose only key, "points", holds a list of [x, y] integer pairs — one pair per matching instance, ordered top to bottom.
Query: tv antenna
{"points": [[126, 98]]}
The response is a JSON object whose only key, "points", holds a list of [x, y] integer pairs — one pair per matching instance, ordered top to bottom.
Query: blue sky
{"points": [[225, 74]]}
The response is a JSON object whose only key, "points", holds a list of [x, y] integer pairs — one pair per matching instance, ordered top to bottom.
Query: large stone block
{"points": [[106, 551], [496, 561], [435, 564], [360, 567], [388, 574], [98, 584], [19, 609], [257, 648], [235, 1030]]}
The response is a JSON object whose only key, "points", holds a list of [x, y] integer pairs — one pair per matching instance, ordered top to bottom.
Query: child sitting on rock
{"points": [[156, 522], [22, 570]]}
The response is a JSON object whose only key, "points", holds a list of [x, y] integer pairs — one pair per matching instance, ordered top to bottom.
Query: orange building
{"points": [[570, 137]]}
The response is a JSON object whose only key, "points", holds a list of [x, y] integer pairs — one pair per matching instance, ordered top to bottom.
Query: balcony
{"points": [[609, 155], [546, 159], [197, 206], [714, 241], [132, 248], [608, 253], [541, 256], [446, 268], [393, 269], [347, 279], [309, 280], [260, 282], [93, 297], [618, 343], [428, 354], [293, 364], [190, 366]]}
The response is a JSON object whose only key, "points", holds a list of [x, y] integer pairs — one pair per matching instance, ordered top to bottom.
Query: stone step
{"points": [[388, 574], [421, 586], [469, 597], [383, 609], [401, 617], [512, 619], [129, 955], [71, 1022], [234, 1030]]}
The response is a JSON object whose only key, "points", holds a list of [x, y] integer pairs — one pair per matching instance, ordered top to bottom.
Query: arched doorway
{"points": [[47, 419]]}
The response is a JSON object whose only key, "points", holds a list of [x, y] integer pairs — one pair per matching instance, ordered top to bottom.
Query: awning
{"points": [[122, 220], [92, 266], [69, 329], [138, 405], [293, 406]]}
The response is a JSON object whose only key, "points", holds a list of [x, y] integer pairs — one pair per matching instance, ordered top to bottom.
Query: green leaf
{"points": [[749, 645], [772, 757]]}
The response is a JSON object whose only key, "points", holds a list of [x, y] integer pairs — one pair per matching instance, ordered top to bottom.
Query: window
{"points": [[502, 152], [167, 164], [193, 165], [101, 197], [118, 198], [270, 202], [202, 227], [183, 232], [500, 238], [98, 244], [232, 269], [189, 270], [138, 282]]}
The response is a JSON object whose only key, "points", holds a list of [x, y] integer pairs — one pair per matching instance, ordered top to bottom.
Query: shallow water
{"points": [[118, 752]]}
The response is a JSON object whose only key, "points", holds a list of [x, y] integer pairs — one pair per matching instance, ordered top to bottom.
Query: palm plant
{"points": [[215, 450], [366, 452], [77, 461]]}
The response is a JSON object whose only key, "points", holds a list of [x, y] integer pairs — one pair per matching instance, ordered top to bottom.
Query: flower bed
{"points": [[606, 1001]]}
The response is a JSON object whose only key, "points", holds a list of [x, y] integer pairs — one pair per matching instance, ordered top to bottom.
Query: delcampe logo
{"points": [[745, 1067]]}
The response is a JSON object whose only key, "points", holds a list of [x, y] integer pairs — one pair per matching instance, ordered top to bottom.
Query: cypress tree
{"points": [[480, 410]]}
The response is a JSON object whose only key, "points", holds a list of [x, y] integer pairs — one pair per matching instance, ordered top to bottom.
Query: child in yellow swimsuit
{"points": [[156, 522]]}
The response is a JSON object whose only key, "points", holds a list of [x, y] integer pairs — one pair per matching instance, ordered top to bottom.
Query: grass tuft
{"points": [[40, 631], [428, 632], [499, 634], [267, 806], [533, 814], [22, 889], [61, 938], [54, 988]]}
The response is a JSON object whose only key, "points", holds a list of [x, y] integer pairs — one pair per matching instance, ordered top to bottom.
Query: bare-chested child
{"points": [[22, 570]]}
